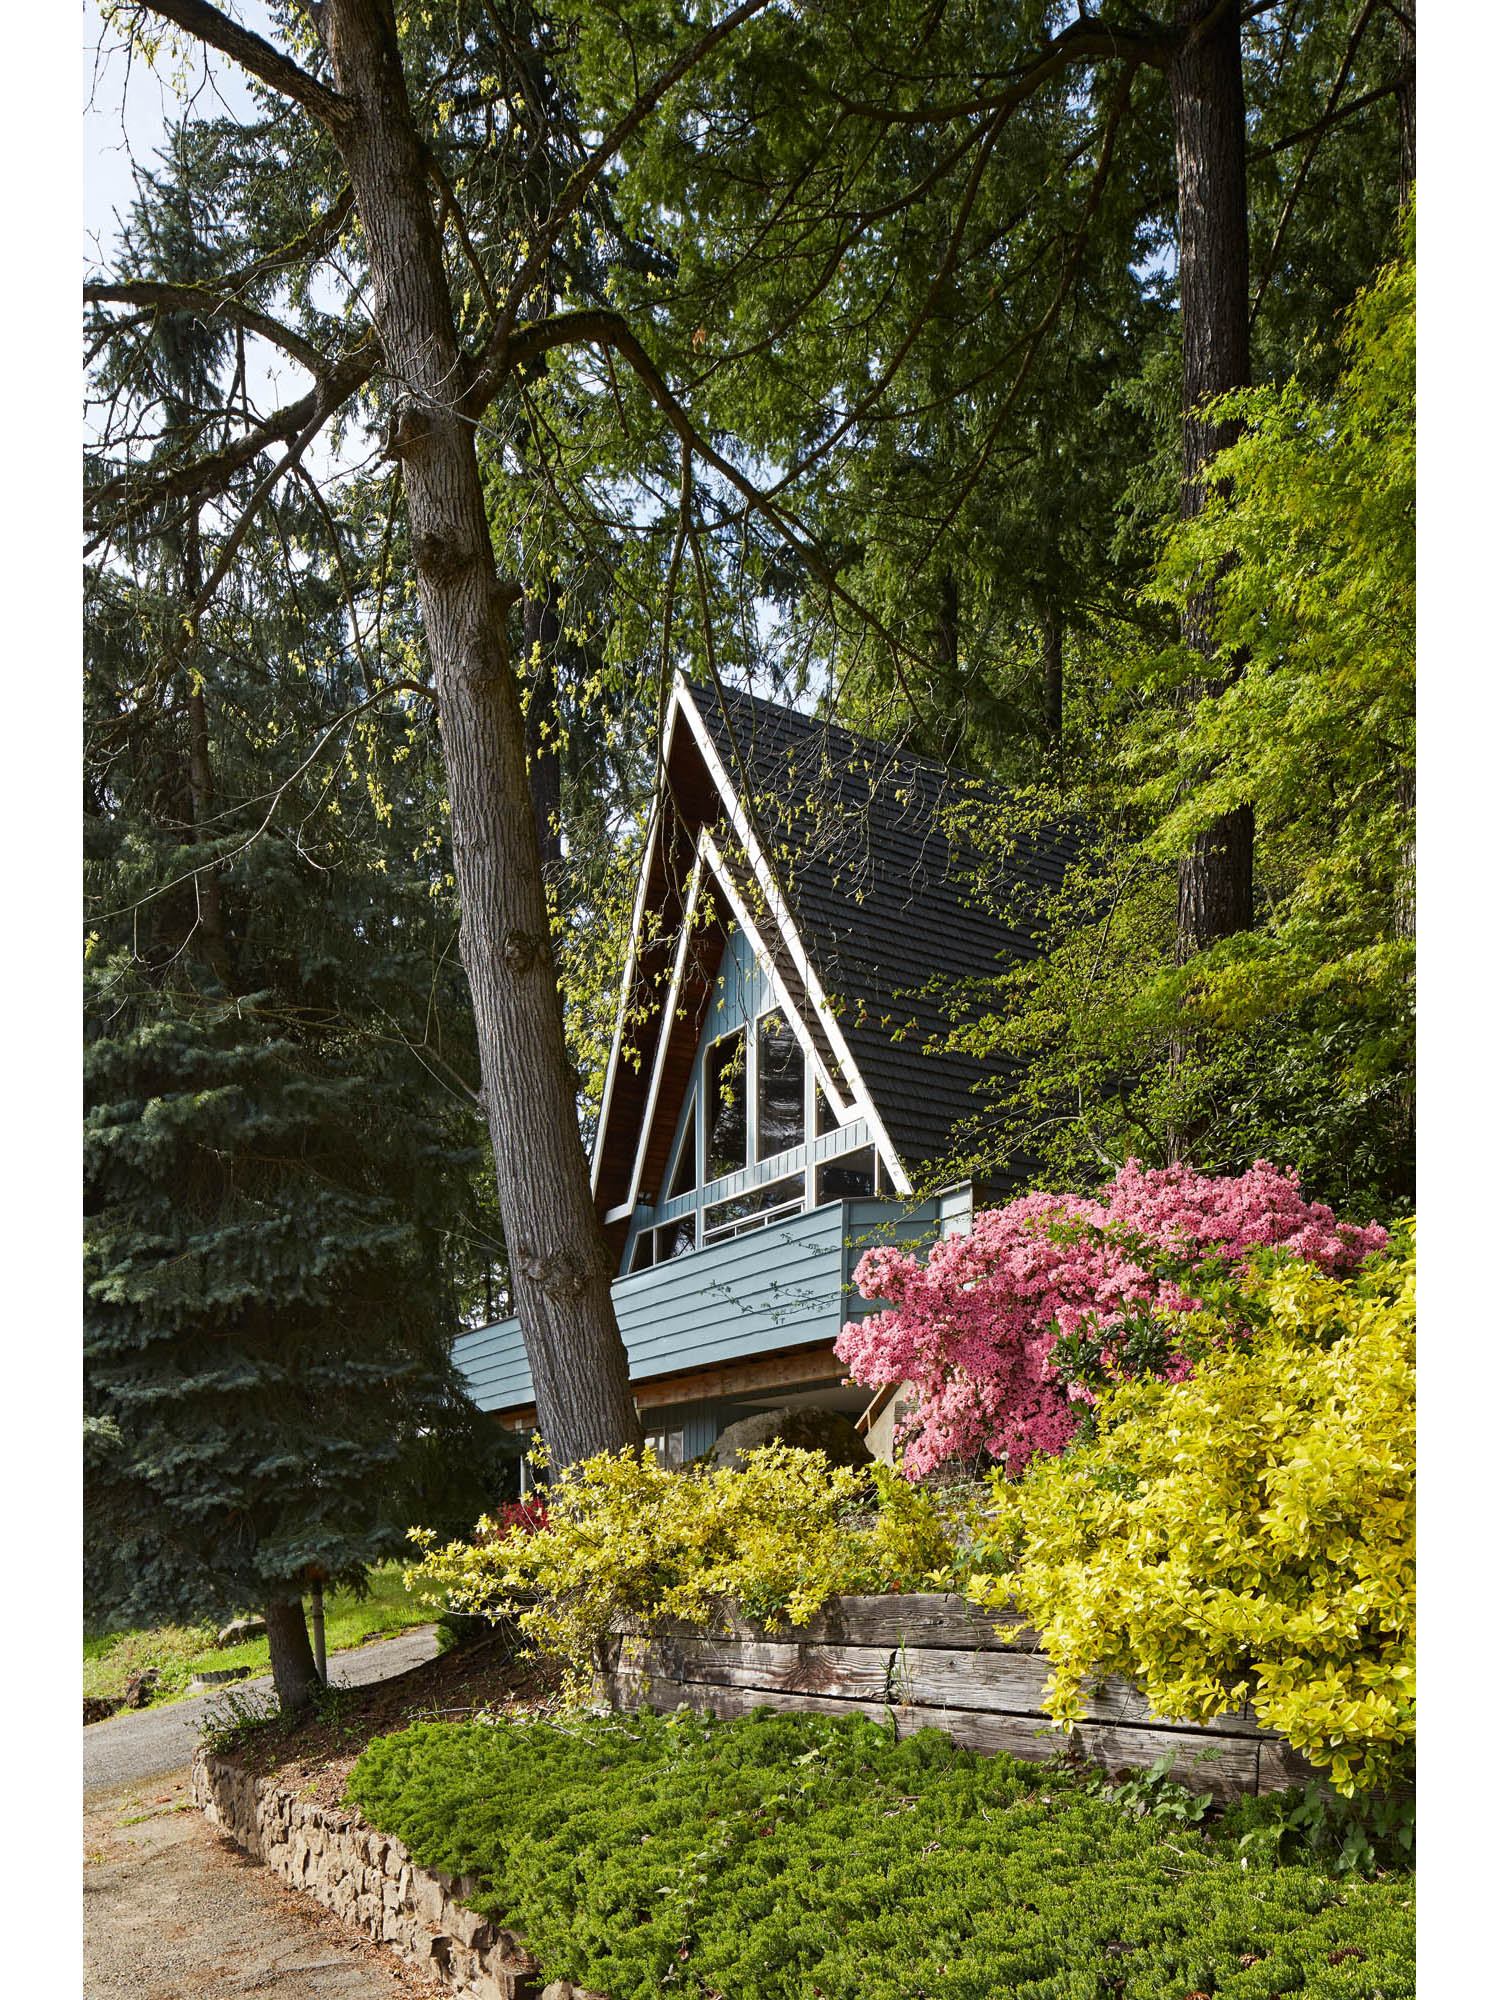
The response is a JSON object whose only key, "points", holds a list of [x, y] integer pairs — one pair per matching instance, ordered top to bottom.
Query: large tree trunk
{"points": [[1406, 100], [1208, 109], [541, 636], [1052, 681], [212, 936], [560, 1271], [292, 1665]]}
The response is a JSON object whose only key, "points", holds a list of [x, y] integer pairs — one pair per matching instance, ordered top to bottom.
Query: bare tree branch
{"points": [[208, 25], [1327, 122], [1308, 157], [573, 195], [316, 237], [207, 304], [599, 327], [120, 500]]}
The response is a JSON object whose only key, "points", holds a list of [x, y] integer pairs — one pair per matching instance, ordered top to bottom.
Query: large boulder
{"points": [[809, 1430], [238, 1630]]}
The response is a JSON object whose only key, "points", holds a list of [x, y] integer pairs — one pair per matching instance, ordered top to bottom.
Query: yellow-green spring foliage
{"points": [[1247, 1533], [626, 1534]]}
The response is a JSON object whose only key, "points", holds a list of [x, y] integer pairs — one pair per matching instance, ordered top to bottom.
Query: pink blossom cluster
{"points": [[973, 1328]]}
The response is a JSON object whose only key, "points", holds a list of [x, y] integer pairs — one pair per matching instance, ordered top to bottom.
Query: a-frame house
{"points": [[771, 1108]]}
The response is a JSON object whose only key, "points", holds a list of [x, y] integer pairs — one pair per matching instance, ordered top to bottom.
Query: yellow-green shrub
{"points": [[1248, 1532], [625, 1534]]}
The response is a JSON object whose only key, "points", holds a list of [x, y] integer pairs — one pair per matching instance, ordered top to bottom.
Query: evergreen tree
{"points": [[283, 1223]]}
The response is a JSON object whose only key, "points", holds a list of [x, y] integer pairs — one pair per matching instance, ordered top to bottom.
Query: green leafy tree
{"points": [[1302, 1028]]}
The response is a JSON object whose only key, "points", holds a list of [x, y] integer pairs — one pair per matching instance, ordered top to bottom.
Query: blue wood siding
{"points": [[786, 1285]]}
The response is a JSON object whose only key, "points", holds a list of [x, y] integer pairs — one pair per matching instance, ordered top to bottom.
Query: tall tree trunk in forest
{"points": [[1406, 100], [542, 631], [1052, 681], [1214, 878], [211, 931], [559, 1267], [293, 1668]]}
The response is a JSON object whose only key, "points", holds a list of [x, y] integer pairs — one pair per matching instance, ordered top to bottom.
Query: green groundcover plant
{"points": [[801, 1857]]}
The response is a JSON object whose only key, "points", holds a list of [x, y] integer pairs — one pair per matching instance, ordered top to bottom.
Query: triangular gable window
{"points": [[780, 1087], [726, 1105], [685, 1177]]}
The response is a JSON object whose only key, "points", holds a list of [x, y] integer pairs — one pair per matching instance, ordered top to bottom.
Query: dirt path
{"points": [[132, 1748], [172, 1911]]}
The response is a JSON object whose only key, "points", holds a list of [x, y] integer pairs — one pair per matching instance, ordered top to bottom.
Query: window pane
{"points": [[778, 1087], [725, 1109], [823, 1117], [686, 1177], [851, 1178], [752, 1209], [676, 1239], [641, 1255]]}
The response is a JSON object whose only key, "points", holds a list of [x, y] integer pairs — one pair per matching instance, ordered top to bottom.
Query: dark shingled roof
{"points": [[884, 901]]}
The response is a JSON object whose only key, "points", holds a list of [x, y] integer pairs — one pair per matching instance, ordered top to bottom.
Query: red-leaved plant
{"points": [[516, 1517]]}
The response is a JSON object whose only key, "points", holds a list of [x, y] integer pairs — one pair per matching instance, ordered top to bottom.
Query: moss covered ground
{"points": [[799, 1857]]}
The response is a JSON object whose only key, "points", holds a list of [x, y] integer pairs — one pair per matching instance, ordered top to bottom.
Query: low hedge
{"points": [[801, 1857]]}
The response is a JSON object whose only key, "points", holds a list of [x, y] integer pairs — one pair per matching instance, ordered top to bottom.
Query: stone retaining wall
{"points": [[368, 1879]]}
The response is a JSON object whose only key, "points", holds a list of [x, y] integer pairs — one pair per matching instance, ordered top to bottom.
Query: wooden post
{"points": [[320, 1652]]}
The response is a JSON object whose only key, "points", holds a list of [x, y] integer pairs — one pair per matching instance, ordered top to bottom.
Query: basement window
{"points": [[779, 1087], [725, 1107], [753, 1209]]}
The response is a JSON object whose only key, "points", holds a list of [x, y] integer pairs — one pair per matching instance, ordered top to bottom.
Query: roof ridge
{"points": [[711, 694]]}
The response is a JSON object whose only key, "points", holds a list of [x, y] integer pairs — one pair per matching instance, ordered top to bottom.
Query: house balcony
{"points": [[773, 1290]]}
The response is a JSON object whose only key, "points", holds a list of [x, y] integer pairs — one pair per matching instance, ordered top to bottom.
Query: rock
{"points": [[809, 1430], [238, 1630], [218, 1677], [140, 1687], [99, 1707]]}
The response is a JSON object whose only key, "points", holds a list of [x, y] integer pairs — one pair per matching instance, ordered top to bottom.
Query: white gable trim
{"points": [[740, 821], [637, 917], [664, 1035], [859, 1102]]}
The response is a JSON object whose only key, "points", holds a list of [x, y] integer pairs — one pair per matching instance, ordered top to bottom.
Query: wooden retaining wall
{"points": [[934, 1661]]}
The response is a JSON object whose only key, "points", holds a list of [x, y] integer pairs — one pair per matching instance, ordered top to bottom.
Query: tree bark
{"points": [[1406, 101], [542, 633], [1052, 681], [1406, 877], [1215, 878], [212, 933], [559, 1268], [292, 1665]]}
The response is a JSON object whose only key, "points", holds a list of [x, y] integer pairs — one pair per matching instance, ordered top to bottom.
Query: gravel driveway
{"points": [[139, 1744], [172, 1911]]}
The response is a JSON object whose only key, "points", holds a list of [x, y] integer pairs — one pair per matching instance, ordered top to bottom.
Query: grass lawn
{"points": [[179, 1651], [783, 1857]]}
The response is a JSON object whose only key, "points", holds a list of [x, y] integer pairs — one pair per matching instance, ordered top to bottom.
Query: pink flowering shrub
{"points": [[974, 1328]]}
